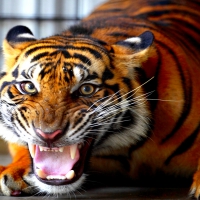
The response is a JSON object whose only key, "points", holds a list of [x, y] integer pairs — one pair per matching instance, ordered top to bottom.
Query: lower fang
{"points": [[41, 174], [70, 175]]}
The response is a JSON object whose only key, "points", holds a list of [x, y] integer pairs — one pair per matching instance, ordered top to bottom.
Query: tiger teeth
{"points": [[41, 148], [61, 149], [73, 149], [32, 150], [41, 174], [70, 175], [55, 177]]}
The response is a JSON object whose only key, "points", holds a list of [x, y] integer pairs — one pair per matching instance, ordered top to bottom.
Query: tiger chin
{"points": [[114, 95]]}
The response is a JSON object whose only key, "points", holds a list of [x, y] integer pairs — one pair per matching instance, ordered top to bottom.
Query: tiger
{"points": [[115, 95]]}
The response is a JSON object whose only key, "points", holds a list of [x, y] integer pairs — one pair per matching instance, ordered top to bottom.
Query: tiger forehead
{"points": [[52, 45], [68, 54], [60, 68]]}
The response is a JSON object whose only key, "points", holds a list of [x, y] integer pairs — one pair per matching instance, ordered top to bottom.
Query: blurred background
{"points": [[44, 18]]}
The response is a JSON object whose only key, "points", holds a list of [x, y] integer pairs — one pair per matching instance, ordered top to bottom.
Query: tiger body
{"points": [[123, 85]]}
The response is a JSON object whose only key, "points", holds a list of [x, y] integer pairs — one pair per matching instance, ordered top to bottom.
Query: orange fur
{"points": [[171, 72]]}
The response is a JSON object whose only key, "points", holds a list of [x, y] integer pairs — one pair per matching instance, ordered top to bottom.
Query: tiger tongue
{"points": [[56, 161]]}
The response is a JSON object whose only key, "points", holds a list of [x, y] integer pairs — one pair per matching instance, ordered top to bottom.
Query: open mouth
{"points": [[60, 166]]}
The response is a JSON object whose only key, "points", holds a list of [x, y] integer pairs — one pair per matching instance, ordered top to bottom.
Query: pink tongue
{"points": [[55, 163]]}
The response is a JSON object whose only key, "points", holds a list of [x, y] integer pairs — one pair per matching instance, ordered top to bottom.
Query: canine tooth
{"points": [[41, 148], [61, 149], [73, 149], [32, 150], [41, 174], [70, 175]]}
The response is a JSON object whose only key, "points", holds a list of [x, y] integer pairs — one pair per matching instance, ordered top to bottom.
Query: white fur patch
{"points": [[25, 35], [134, 40], [77, 74], [8, 135], [53, 189]]}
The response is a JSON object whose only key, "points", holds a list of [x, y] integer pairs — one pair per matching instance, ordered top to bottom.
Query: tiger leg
{"points": [[12, 176], [195, 188]]}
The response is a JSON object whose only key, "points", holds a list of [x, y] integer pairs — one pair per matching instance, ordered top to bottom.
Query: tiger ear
{"points": [[17, 39], [133, 51]]}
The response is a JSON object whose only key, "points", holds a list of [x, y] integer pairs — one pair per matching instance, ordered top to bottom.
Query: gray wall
{"points": [[43, 17]]}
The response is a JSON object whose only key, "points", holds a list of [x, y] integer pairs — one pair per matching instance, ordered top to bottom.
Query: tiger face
{"points": [[70, 98]]}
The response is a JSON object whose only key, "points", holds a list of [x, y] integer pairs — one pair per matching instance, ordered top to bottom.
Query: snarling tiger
{"points": [[116, 94]]}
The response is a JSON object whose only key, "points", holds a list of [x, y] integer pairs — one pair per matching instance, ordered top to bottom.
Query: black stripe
{"points": [[160, 3], [158, 13], [182, 23], [119, 34], [58, 47], [94, 52], [54, 53], [66, 54], [39, 56], [83, 58], [46, 70], [15, 73], [2, 74], [24, 74], [107, 74], [92, 76], [127, 81], [6, 83], [152, 85], [115, 89], [10, 94], [106, 94], [187, 95], [23, 109], [127, 119], [18, 120], [77, 122], [80, 128], [15, 132], [185, 145]]}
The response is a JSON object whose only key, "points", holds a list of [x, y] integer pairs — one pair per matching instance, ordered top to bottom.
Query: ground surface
{"points": [[115, 193], [119, 194]]}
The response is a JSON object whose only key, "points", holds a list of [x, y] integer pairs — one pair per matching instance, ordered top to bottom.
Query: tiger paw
{"points": [[12, 180], [195, 188]]}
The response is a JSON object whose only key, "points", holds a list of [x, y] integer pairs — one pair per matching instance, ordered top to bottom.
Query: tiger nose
{"points": [[48, 136]]}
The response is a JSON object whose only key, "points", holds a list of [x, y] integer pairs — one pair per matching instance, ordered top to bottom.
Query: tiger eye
{"points": [[28, 88], [87, 89]]}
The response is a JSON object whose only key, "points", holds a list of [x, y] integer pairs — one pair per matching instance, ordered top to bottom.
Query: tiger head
{"points": [[72, 97]]}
